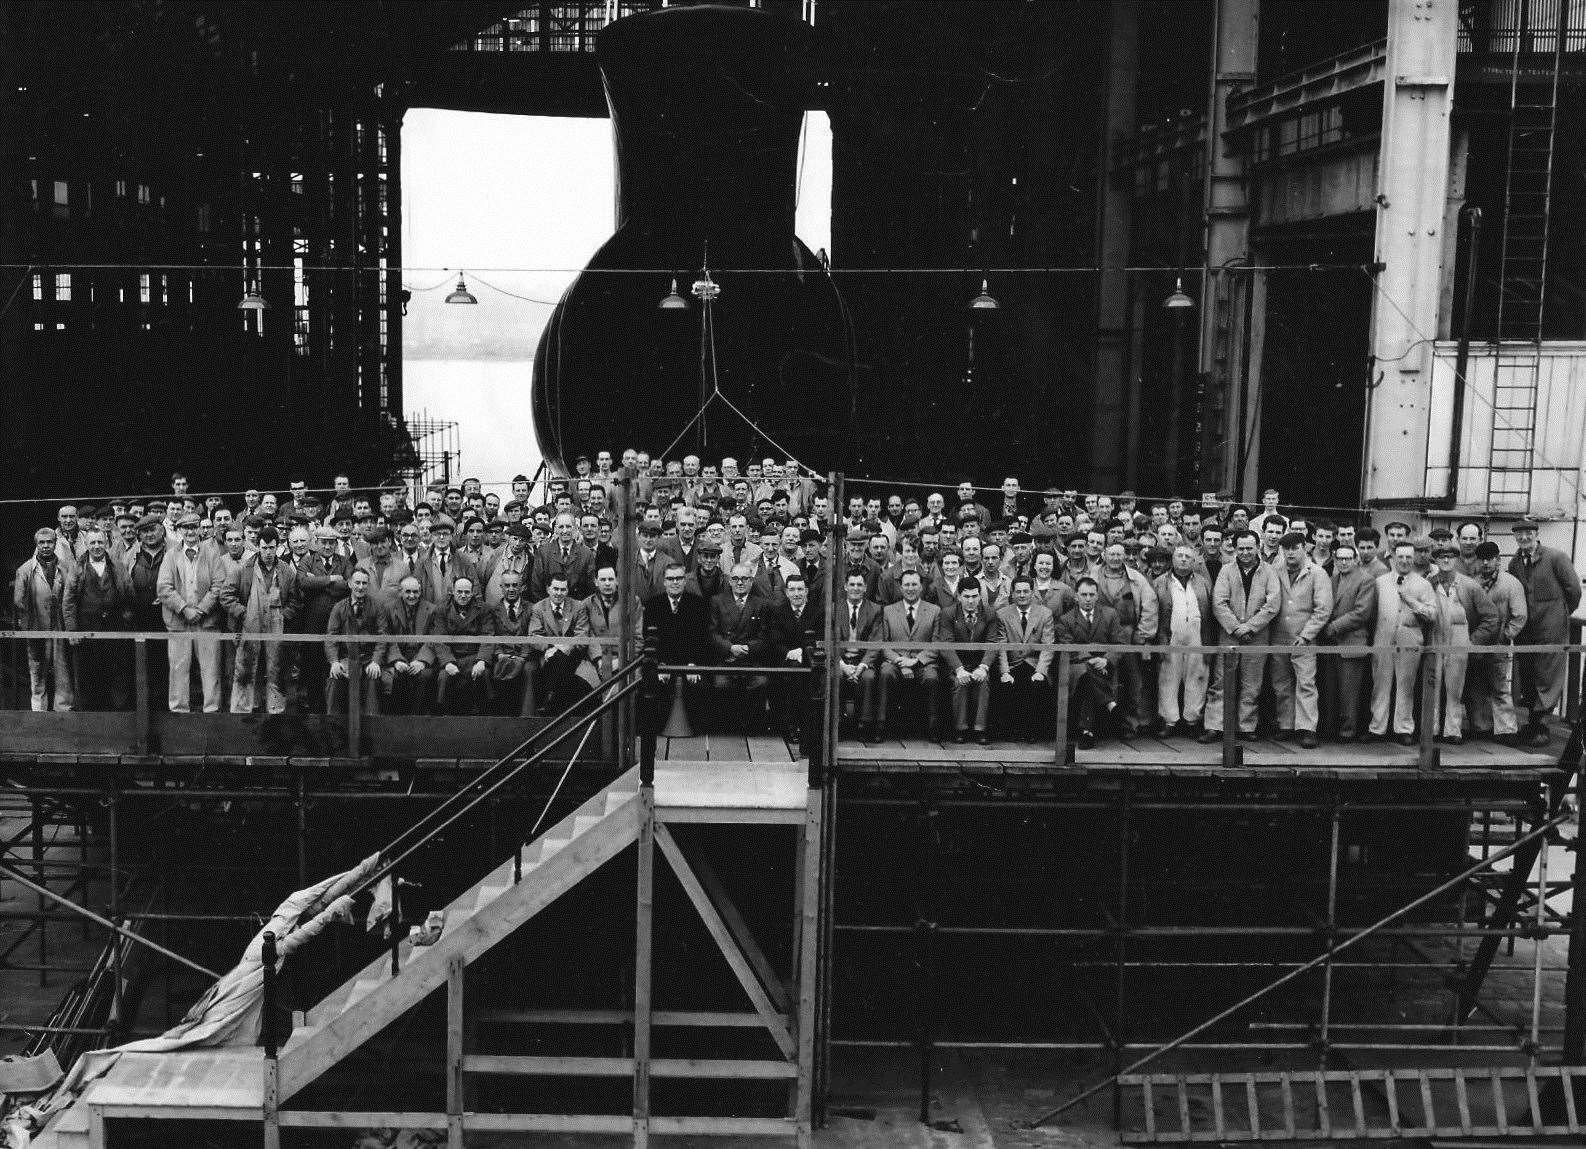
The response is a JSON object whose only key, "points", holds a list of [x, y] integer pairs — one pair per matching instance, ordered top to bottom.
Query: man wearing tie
{"points": [[563, 555], [442, 564], [1552, 592], [1406, 608], [356, 616], [859, 620], [967, 620], [909, 621], [796, 625], [740, 635], [513, 673], [565, 674], [1025, 674], [408, 677], [1092, 697]]}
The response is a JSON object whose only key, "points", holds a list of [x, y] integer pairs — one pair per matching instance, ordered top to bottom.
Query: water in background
{"points": [[489, 399]]}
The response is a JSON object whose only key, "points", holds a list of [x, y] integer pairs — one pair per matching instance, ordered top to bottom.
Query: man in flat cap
{"points": [[188, 588], [1552, 592], [1490, 679]]}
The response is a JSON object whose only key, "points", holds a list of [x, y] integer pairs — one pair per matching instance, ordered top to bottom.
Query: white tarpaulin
{"points": [[228, 1014]]}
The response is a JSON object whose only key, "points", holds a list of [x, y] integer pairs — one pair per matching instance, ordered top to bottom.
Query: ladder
{"points": [[1522, 288], [1353, 1105]]}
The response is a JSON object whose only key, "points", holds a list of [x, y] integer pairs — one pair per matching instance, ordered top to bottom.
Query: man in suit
{"points": [[682, 548], [566, 555], [516, 557], [649, 563], [440, 564], [385, 572], [322, 579], [1552, 592], [99, 597], [190, 600], [1245, 601], [1305, 604], [1406, 609], [604, 615], [356, 616], [1184, 618], [859, 620], [910, 621], [679, 622], [796, 627], [1349, 632], [740, 635], [464, 666], [513, 671], [969, 671], [1025, 673], [564, 674], [407, 675], [1094, 681]]}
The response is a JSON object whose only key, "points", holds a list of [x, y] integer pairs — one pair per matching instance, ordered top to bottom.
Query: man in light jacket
{"points": [[188, 589], [1306, 595], [1245, 601], [1406, 609], [1184, 618]]}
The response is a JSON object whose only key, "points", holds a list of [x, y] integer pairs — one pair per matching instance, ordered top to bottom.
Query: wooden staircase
{"points": [[476, 920]]}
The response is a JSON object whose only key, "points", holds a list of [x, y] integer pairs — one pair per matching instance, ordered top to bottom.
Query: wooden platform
{"points": [[1178, 757], [720, 790]]}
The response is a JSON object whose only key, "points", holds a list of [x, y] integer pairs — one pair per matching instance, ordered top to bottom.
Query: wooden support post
{"points": [[627, 552], [355, 687], [1431, 689], [141, 718], [1063, 749], [1232, 754], [739, 929], [641, 968], [807, 975], [267, 1036], [1324, 1039], [1574, 1051], [454, 1052]]}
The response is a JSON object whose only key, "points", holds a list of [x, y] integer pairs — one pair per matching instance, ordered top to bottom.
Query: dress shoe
{"points": [[961, 736], [1248, 736], [1283, 736], [1207, 737], [1538, 737], [983, 738], [1308, 739], [1405, 739], [1085, 740], [1454, 740], [1510, 740]]}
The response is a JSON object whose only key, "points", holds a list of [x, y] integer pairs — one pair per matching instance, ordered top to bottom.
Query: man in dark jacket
{"points": [[1552, 592], [99, 597], [356, 616], [796, 626], [741, 636], [463, 666], [407, 668], [1094, 680]]}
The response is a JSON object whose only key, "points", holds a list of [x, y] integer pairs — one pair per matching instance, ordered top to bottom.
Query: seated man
{"points": [[356, 616], [859, 620], [909, 621], [796, 628], [740, 636], [407, 663], [464, 666], [969, 670], [1024, 673], [564, 675], [512, 677], [1093, 681]]}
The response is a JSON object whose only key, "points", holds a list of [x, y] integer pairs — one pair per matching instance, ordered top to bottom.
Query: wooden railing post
{"points": [[1431, 667], [354, 700], [141, 717], [1063, 750], [1233, 753]]}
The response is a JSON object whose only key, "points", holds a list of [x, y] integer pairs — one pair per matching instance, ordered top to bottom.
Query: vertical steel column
{"points": [[627, 550], [354, 699], [831, 712], [141, 715], [1063, 748], [1233, 754], [113, 819], [40, 876], [1332, 929], [643, 935], [1121, 948], [925, 959], [1575, 971]]}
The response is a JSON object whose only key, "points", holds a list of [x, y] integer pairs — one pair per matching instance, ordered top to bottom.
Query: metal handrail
{"points": [[489, 782]]}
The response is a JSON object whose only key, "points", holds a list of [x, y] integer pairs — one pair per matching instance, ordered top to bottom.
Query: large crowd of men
{"points": [[943, 606]]}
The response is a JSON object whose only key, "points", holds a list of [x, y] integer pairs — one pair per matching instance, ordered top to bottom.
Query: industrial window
{"points": [[121, 189], [143, 194], [63, 200], [63, 287], [143, 287], [38, 288]]}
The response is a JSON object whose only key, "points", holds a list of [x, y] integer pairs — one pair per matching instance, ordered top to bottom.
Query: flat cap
{"points": [[189, 520], [148, 521], [443, 523], [1526, 524], [326, 534], [810, 535], [1487, 549]]}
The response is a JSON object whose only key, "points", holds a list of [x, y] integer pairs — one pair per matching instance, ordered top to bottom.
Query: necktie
{"points": [[565, 553], [192, 554], [443, 564], [674, 603], [357, 611], [557, 611], [512, 612], [1089, 618], [853, 619], [911, 620], [1024, 620]]}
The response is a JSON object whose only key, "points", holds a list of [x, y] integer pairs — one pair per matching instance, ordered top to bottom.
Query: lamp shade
{"points": [[461, 294], [1179, 300], [672, 301], [984, 301]]}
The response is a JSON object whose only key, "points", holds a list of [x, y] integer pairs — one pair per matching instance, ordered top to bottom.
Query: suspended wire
{"points": [[974, 272]]}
